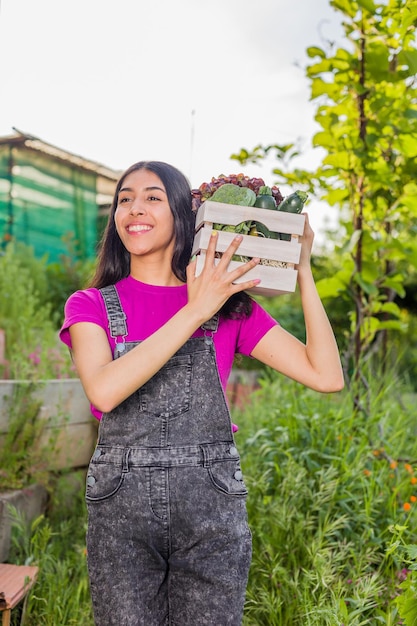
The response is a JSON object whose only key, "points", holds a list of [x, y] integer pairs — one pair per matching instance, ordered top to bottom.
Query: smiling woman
{"points": [[145, 225], [154, 344]]}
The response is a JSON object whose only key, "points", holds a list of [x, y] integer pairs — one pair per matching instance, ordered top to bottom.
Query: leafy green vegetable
{"points": [[232, 194]]}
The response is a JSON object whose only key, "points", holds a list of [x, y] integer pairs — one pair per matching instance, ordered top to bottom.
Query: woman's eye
{"points": [[153, 198], [122, 200]]}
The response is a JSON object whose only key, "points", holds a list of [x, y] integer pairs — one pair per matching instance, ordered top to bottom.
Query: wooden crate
{"points": [[274, 280]]}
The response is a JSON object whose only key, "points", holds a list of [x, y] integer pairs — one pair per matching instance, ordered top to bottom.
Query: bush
{"points": [[64, 278], [33, 349], [325, 490], [56, 544]]}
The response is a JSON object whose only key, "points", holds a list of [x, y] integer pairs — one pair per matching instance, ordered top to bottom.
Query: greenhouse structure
{"points": [[52, 200]]}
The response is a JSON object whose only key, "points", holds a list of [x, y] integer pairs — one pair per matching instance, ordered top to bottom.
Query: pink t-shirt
{"points": [[148, 307]]}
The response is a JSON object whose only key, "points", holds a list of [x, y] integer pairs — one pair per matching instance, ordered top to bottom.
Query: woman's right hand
{"points": [[215, 284]]}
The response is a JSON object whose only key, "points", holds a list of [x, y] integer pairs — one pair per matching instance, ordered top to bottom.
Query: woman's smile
{"points": [[143, 217], [138, 228]]}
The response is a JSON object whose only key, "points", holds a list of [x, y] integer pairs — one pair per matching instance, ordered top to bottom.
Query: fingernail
{"points": [[214, 233]]}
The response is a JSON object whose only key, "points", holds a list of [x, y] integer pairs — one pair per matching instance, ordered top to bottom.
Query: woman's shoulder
{"points": [[83, 297], [84, 305]]}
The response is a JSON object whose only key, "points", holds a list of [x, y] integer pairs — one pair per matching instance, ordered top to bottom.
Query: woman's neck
{"points": [[154, 273]]}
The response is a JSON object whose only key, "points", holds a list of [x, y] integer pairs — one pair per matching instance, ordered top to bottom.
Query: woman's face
{"points": [[143, 217]]}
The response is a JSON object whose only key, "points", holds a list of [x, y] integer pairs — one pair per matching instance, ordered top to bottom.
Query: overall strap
{"points": [[115, 315], [117, 318], [210, 327]]}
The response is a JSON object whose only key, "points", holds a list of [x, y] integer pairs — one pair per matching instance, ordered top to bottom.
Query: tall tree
{"points": [[366, 95]]}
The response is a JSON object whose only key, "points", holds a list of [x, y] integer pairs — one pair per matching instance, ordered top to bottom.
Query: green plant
{"points": [[365, 90], [65, 277], [32, 347], [22, 456], [325, 486], [56, 544]]}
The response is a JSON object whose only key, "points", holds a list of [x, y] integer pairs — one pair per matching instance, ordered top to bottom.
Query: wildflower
{"points": [[35, 358], [376, 452], [393, 465], [409, 468], [367, 472], [413, 480], [413, 498], [407, 506], [402, 574]]}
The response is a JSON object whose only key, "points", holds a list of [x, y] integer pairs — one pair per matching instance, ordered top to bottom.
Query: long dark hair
{"points": [[114, 259]]}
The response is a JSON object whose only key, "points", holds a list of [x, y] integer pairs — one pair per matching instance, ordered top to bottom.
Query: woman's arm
{"points": [[317, 363], [108, 382]]}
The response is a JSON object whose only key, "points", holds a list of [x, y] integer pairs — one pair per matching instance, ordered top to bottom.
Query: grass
{"points": [[326, 489], [332, 506], [56, 543]]}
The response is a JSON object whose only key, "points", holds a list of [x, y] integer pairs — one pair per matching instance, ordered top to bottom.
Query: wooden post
{"points": [[3, 362]]}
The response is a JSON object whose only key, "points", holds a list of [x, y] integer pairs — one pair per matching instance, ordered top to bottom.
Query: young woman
{"points": [[168, 540]]}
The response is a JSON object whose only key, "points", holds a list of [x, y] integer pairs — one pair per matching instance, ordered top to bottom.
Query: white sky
{"points": [[184, 81]]}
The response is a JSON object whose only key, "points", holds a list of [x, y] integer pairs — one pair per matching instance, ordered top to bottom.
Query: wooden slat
{"points": [[233, 214], [272, 249], [274, 280], [15, 582]]}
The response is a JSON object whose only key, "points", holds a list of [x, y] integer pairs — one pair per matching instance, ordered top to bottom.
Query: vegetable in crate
{"points": [[206, 190], [232, 194], [264, 200], [294, 203]]}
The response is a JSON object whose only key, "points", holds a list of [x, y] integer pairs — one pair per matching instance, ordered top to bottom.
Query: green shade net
{"points": [[45, 203]]}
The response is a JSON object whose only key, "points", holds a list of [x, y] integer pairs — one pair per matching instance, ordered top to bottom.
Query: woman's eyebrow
{"points": [[153, 188]]}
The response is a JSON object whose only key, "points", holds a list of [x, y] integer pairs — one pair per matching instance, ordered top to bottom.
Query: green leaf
{"points": [[368, 5], [346, 6], [313, 51], [409, 59], [410, 114], [323, 139], [408, 145], [340, 160], [337, 196], [354, 240], [396, 284], [332, 286], [368, 288], [391, 308], [392, 325], [411, 550], [407, 603]]}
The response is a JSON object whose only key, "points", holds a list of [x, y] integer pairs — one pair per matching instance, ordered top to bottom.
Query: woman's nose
{"points": [[137, 208]]}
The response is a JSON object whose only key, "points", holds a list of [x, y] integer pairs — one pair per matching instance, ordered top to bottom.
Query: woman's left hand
{"points": [[306, 240]]}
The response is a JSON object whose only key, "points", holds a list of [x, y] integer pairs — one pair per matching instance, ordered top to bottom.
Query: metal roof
{"points": [[35, 143]]}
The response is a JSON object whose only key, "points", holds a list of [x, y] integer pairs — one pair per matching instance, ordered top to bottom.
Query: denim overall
{"points": [[168, 540]]}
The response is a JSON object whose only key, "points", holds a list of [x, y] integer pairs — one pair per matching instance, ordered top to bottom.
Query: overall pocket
{"points": [[168, 392], [226, 477], [103, 480]]}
